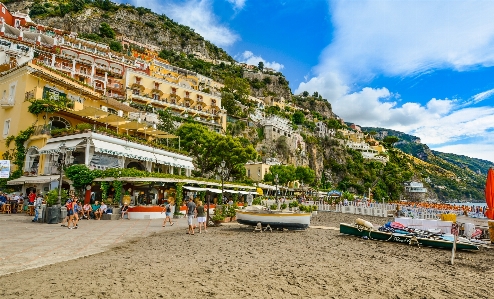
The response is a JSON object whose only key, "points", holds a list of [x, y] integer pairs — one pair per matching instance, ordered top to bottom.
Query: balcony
{"points": [[7, 102], [42, 130], [51, 168]]}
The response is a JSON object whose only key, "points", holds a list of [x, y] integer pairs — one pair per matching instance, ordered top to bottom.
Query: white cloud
{"points": [[237, 4], [197, 14], [404, 37], [407, 38], [249, 58], [481, 96], [482, 150]]}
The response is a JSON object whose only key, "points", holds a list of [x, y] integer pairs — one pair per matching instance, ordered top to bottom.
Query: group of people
{"points": [[18, 201], [198, 211], [75, 212]]}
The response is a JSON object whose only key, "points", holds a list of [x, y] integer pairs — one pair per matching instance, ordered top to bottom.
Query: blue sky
{"points": [[422, 67]]}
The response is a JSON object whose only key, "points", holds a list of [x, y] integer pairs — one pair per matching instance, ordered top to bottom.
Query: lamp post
{"points": [[61, 163], [222, 174], [276, 182]]}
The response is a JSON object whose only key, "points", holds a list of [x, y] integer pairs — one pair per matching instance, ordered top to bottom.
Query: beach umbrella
{"points": [[489, 194]]}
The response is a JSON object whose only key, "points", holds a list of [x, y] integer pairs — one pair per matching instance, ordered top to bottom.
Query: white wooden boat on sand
{"points": [[252, 215]]}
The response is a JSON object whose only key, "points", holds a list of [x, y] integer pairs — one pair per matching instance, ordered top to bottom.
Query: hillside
{"points": [[177, 43], [308, 125]]}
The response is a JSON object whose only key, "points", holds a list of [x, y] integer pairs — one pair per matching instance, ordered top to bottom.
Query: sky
{"points": [[423, 67]]}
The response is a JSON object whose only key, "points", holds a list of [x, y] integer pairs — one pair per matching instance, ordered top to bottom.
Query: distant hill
{"points": [[411, 145]]}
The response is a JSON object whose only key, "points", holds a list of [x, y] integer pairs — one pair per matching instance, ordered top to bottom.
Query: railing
{"points": [[99, 78], [7, 102], [42, 130], [51, 168]]}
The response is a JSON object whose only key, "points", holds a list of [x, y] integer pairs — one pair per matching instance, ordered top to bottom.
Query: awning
{"points": [[54, 147], [122, 151], [33, 180], [194, 188]]}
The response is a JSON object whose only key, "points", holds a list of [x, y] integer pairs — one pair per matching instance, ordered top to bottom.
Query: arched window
{"points": [[58, 122], [136, 165]]}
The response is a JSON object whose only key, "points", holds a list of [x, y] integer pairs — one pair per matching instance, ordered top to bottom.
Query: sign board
{"points": [[4, 169]]}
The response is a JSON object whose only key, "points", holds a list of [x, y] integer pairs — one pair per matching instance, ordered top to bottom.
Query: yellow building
{"points": [[31, 81], [179, 94], [256, 170]]}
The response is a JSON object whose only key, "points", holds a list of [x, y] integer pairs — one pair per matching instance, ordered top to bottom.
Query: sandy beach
{"points": [[232, 261]]}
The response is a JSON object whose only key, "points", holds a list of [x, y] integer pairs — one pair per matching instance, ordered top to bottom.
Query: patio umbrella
{"points": [[489, 194]]}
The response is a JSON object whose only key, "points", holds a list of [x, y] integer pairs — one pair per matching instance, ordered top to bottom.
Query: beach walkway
{"points": [[26, 245]]}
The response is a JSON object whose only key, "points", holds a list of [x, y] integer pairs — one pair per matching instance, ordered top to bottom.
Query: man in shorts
{"points": [[191, 210]]}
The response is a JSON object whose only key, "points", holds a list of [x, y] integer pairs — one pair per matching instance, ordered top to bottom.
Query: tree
{"points": [[106, 31], [116, 46], [260, 65], [239, 87], [305, 94], [229, 103], [298, 117], [166, 121], [196, 139], [390, 140], [234, 152], [305, 174], [80, 175]]}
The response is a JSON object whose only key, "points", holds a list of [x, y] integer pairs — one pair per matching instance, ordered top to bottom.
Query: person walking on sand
{"points": [[191, 209], [168, 213], [201, 216]]}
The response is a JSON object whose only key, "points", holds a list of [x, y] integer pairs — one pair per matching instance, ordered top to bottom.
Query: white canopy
{"points": [[54, 147], [33, 180]]}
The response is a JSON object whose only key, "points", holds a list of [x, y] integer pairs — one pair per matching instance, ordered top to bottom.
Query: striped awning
{"points": [[54, 147]]}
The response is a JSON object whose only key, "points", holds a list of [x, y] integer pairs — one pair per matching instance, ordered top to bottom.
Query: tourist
{"points": [[31, 198], [3, 200], [37, 205], [95, 209], [102, 209], [191, 209], [77, 210], [125, 210], [86, 211], [70, 213], [168, 213], [201, 216], [66, 219]]}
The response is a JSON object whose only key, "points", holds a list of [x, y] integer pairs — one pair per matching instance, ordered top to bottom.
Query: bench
{"points": [[114, 216]]}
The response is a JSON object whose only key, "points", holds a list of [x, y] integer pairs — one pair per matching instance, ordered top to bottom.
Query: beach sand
{"points": [[232, 261]]}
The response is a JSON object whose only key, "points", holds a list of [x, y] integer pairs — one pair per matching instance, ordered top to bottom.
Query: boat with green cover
{"points": [[433, 241]]}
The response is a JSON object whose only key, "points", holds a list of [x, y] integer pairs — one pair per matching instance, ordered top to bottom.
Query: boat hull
{"points": [[292, 221], [349, 229]]}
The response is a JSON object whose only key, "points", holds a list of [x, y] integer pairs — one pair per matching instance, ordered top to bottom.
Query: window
{"points": [[17, 23], [12, 90], [135, 92], [156, 97], [58, 122], [6, 128], [248, 172]]}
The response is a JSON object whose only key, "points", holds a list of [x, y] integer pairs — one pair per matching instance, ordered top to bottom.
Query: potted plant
{"points": [[283, 206], [52, 210], [314, 210], [218, 219]]}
